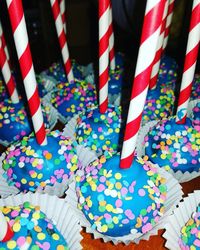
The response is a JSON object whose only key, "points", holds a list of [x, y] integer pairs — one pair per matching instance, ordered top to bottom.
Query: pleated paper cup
{"points": [[49, 81], [191, 105], [140, 149], [8, 188], [174, 195], [57, 210], [179, 218]]}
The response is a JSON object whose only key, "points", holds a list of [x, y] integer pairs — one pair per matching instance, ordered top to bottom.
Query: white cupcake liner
{"points": [[49, 81], [114, 99], [191, 105], [179, 175], [57, 189], [174, 195], [57, 210], [179, 218]]}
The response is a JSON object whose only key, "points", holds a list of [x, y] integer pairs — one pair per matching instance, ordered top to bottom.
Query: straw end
{"points": [[127, 162], [9, 234]]}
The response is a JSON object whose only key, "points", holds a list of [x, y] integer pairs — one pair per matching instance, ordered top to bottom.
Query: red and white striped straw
{"points": [[62, 12], [104, 14], [168, 22], [18, 24], [150, 34], [62, 39], [111, 40], [4, 43], [156, 63], [190, 63], [6, 72], [6, 233]]}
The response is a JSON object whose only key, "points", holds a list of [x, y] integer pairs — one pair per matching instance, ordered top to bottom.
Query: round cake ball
{"points": [[57, 71], [167, 72], [195, 94], [72, 98], [159, 103], [14, 118], [100, 132], [174, 146], [29, 166], [119, 202], [32, 229], [190, 233]]}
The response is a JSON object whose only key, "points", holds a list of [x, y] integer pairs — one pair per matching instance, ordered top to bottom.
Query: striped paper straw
{"points": [[62, 12], [104, 13], [168, 22], [18, 24], [150, 34], [62, 39], [111, 40], [4, 43], [156, 63], [190, 63], [6, 72], [5, 232]]}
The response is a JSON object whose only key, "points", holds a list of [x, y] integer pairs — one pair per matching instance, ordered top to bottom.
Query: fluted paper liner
{"points": [[49, 81], [179, 175], [174, 195], [58, 211], [179, 218]]}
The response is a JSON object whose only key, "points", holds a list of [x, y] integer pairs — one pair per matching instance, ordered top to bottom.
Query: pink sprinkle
{"points": [[100, 188], [124, 191], [141, 192], [118, 203], [129, 214], [107, 216], [146, 228], [20, 241], [197, 243], [46, 246]]}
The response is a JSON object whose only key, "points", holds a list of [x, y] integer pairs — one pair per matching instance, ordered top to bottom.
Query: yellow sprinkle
{"points": [[118, 176], [16, 227], [104, 228], [41, 236], [55, 236], [11, 244]]}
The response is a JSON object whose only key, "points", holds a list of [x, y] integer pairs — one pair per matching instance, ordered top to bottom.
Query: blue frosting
{"points": [[57, 71], [71, 98], [100, 132], [174, 146], [30, 166], [118, 202], [31, 229]]}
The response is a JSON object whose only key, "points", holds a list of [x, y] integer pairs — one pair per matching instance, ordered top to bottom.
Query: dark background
{"points": [[82, 31]]}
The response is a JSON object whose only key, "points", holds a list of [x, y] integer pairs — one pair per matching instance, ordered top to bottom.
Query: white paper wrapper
{"points": [[49, 81], [191, 105], [52, 118], [180, 176], [57, 189], [174, 195], [58, 211], [179, 218]]}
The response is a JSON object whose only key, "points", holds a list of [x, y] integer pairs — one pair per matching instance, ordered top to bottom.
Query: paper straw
{"points": [[62, 12], [104, 14], [168, 22], [18, 24], [150, 34], [62, 39], [111, 40], [4, 43], [156, 63], [190, 63], [6, 72], [5, 230]]}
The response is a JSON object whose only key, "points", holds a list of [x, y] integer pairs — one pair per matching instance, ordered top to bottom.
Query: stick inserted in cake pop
{"points": [[62, 12], [104, 14], [168, 22], [18, 24], [150, 34], [62, 39], [111, 40], [4, 43], [156, 63], [190, 63], [7, 75], [5, 231]]}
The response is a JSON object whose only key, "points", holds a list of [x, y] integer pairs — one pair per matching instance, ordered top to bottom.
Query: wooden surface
{"points": [[154, 243]]}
